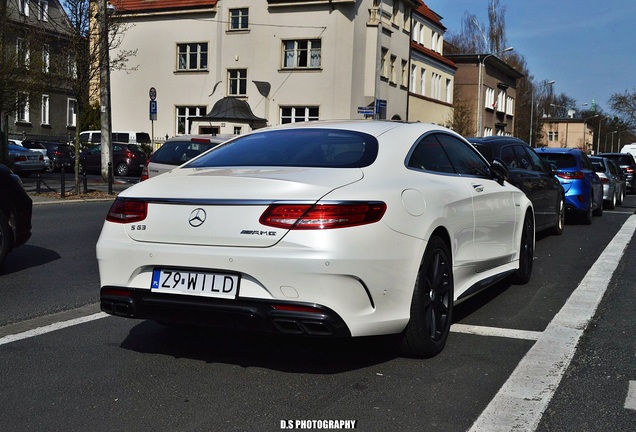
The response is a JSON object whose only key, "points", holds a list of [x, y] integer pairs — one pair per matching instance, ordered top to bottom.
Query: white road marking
{"points": [[50, 328], [497, 332], [523, 398], [630, 401]]}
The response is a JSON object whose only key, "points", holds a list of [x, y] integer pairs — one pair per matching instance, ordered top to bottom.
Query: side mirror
{"points": [[499, 171]]}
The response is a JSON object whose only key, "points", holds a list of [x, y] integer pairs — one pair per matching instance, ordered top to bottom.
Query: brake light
{"points": [[201, 140], [20, 158], [629, 170], [144, 172], [570, 174], [604, 180], [126, 211], [322, 216]]}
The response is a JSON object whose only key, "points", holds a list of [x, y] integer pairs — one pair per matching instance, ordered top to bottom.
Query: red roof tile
{"points": [[128, 6], [429, 14], [435, 55]]}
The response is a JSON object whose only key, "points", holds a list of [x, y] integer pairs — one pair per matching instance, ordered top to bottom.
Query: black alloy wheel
{"points": [[122, 169], [526, 252], [432, 305]]}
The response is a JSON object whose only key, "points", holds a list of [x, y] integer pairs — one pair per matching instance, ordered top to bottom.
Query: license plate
{"points": [[221, 285]]}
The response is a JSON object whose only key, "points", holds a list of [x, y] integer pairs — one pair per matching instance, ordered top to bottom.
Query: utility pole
{"points": [[104, 90]]}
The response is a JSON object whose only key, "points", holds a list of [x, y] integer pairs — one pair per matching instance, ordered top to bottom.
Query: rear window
{"points": [[33, 145], [321, 148], [179, 152], [561, 161], [598, 165]]}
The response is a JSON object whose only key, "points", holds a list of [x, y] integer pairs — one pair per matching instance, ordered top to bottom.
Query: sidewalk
{"points": [[50, 188]]}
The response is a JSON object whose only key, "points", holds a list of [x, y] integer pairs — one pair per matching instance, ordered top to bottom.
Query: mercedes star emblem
{"points": [[197, 217]]}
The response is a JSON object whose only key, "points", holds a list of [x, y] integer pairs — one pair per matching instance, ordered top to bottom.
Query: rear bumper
{"points": [[241, 314]]}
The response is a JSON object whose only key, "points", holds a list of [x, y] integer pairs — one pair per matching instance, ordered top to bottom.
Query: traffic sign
{"points": [[152, 93], [153, 110]]}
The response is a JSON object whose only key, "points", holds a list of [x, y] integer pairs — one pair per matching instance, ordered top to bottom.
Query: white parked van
{"points": [[93, 137], [629, 148]]}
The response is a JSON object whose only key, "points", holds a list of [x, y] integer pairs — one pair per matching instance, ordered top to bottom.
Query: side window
{"points": [[430, 156], [464, 157], [509, 157], [535, 160]]}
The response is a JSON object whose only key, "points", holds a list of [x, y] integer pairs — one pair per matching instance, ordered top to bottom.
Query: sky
{"points": [[588, 47]]}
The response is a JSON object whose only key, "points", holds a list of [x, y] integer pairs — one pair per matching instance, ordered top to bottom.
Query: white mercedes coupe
{"points": [[326, 229]]}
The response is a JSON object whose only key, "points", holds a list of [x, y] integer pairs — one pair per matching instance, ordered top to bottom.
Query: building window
{"points": [[24, 7], [43, 10], [239, 19], [416, 31], [22, 51], [303, 53], [192, 56], [46, 58], [72, 66], [384, 66], [392, 72], [405, 76], [413, 78], [237, 82], [423, 82], [436, 86], [449, 91], [490, 98], [501, 101], [510, 104], [45, 109], [71, 113], [22, 114], [298, 114], [184, 118], [237, 130], [487, 131], [553, 136]]}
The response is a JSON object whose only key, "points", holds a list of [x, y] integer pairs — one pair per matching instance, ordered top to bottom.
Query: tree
{"points": [[84, 49], [625, 105], [461, 119]]}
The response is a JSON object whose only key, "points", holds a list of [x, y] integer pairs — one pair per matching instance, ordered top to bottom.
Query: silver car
{"points": [[23, 161], [613, 184]]}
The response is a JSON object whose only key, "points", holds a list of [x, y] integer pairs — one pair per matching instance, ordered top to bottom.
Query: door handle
{"points": [[478, 187]]}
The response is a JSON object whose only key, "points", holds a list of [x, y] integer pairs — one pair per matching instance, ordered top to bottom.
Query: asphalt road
{"points": [[111, 374]]}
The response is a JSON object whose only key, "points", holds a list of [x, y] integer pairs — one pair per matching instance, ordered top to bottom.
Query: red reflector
{"points": [[144, 173], [570, 174], [126, 211], [322, 216], [115, 292], [296, 308]]}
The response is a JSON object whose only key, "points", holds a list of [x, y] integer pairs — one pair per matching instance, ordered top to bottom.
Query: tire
{"points": [[50, 168], [122, 169], [621, 196], [611, 204], [599, 209], [586, 218], [557, 229], [6, 237], [526, 252], [426, 333]]}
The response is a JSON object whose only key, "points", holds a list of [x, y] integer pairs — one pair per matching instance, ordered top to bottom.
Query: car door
{"points": [[92, 158], [545, 188], [494, 206]]}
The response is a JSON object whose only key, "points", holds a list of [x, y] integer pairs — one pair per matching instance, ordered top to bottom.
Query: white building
{"points": [[290, 60]]}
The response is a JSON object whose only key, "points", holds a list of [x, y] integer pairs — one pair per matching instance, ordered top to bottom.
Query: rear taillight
{"points": [[20, 159], [629, 170], [144, 172], [570, 174], [604, 180], [126, 211], [322, 216]]}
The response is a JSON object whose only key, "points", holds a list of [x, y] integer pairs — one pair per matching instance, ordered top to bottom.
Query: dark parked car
{"points": [[178, 150], [61, 155], [128, 159], [23, 161], [627, 163], [530, 174], [583, 188], [15, 212]]}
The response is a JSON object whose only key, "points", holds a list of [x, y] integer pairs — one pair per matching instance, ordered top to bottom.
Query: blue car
{"points": [[583, 188]]}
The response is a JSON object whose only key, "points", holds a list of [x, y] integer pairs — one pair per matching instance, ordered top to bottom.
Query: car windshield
{"points": [[322, 148], [179, 152], [560, 160], [598, 165]]}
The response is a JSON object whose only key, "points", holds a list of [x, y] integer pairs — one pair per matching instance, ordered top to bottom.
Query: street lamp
{"points": [[105, 9], [480, 82], [532, 110], [584, 122], [606, 135], [598, 136]]}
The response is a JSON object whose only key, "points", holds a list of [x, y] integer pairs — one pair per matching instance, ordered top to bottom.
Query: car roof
{"points": [[497, 140], [559, 150]]}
